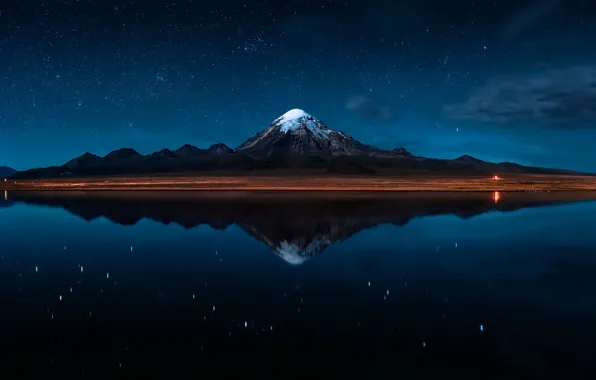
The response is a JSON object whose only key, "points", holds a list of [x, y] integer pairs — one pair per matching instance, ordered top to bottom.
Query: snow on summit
{"points": [[293, 114], [293, 119]]}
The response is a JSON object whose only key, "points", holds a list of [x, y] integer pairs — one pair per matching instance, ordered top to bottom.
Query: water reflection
{"points": [[296, 227], [411, 284]]}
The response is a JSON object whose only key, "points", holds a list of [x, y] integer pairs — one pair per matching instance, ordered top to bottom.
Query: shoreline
{"points": [[305, 183]]}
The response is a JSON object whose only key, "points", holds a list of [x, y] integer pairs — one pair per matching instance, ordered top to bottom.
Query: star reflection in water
{"points": [[387, 290]]}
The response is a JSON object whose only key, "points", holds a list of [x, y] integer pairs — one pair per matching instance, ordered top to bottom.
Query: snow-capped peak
{"points": [[293, 114], [293, 119]]}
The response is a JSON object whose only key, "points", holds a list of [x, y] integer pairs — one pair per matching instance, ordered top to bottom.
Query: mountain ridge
{"points": [[295, 140], [6, 171]]}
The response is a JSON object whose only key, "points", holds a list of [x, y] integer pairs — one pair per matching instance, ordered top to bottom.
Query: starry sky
{"points": [[499, 80]]}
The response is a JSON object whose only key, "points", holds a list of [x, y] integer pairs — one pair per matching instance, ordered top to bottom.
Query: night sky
{"points": [[499, 80]]}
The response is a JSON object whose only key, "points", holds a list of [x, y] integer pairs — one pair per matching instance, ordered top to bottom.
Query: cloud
{"points": [[529, 17], [546, 20], [555, 98], [368, 108]]}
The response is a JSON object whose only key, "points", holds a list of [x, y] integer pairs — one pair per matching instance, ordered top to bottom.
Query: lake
{"points": [[407, 285]]}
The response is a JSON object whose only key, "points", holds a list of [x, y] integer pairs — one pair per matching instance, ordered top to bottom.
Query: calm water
{"points": [[396, 286]]}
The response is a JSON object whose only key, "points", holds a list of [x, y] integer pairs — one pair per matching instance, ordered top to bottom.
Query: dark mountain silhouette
{"points": [[296, 140], [220, 149], [188, 150], [400, 152], [164, 153], [122, 154], [469, 159], [84, 161], [341, 165], [5, 171], [296, 227]]}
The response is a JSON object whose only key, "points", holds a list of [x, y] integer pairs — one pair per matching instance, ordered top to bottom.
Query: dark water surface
{"points": [[394, 286]]}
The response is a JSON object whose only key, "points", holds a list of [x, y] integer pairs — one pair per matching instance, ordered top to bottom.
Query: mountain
{"points": [[297, 132], [295, 140], [220, 149], [188, 150], [400, 152], [164, 153], [122, 154], [469, 159], [84, 161], [339, 165], [5, 171], [316, 223]]}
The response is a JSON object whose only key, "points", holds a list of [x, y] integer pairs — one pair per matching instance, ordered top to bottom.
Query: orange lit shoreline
{"points": [[314, 183]]}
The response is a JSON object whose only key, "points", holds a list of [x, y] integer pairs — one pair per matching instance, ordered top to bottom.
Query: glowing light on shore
{"points": [[496, 178], [496, 197]]}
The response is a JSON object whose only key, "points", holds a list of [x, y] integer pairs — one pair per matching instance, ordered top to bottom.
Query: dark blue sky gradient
{"points": [[500, 81]]}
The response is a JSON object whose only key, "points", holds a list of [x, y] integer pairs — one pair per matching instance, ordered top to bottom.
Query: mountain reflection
{"points": [[296, 226]]}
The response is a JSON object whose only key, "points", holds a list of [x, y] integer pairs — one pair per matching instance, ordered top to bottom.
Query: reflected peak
{"points": [[295, 227], [296, 253]]}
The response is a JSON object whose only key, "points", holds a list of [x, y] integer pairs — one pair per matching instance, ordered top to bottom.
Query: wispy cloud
{"points": [[529, 17], [554, 98], [368, 108]]}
